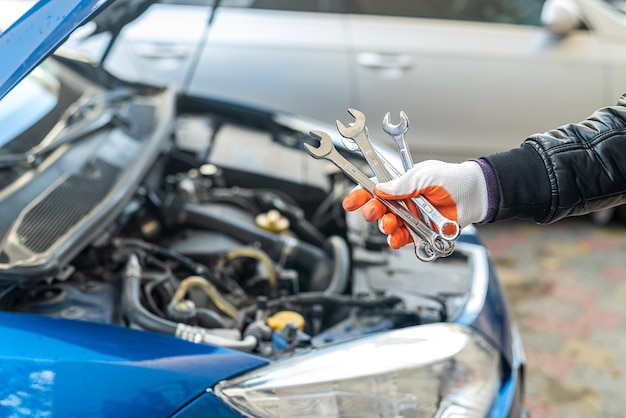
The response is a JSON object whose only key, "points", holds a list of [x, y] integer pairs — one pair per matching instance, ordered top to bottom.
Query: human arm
{"points": [[575, 169], [572, 170]]}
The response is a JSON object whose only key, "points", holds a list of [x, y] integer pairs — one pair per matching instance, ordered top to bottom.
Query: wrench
{"points": [[357, 132], [397, 133], [385, 171], [449, 229], [428, 244]]}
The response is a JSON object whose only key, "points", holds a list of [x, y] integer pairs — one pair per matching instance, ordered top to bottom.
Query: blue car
{"points": [[163, 255]]}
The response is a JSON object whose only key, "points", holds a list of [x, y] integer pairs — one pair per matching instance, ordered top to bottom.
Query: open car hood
{"points": [[38, 33]]}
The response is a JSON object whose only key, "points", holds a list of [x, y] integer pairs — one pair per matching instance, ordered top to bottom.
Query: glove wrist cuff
{"points": [[493, 191], [475, 197]]}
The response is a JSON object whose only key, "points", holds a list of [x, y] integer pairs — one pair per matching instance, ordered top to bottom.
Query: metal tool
{"points": [[397, 133], [356, 134], [449, 229], [428, 244]]}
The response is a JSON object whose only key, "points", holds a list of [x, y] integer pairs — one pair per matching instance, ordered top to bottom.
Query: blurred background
{"points": [[474, 76], [567, 285]]}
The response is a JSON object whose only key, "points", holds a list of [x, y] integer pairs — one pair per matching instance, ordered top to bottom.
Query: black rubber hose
{"points": [[340, 251], [292, 252], [311, 298], [131, 302], [211, 319]]}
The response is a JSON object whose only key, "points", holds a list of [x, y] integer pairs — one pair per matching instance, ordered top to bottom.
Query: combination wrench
{"points": [[396, 132], [357, 137], [449, 229], [428, 244]]}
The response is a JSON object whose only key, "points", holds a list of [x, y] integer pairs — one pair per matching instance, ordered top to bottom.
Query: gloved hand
{"points": [[458, 191]]}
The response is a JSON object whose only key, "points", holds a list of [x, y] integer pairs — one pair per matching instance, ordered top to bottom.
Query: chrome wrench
{"points": [[396, 132], [357, 133], [449, 229], [428, 244]]}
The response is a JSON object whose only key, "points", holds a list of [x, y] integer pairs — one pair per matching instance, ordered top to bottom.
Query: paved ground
{"points": [[567, 285]]}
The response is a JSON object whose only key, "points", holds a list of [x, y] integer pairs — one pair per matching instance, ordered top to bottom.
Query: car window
{"points": [[526, 12]]}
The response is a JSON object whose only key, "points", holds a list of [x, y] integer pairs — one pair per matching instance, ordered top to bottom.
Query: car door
{"points": [[159, 46], [281, 54], [474, 77]]}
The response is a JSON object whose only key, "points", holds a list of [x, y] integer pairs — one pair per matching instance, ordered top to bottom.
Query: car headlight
{"points": [[441, 370]]}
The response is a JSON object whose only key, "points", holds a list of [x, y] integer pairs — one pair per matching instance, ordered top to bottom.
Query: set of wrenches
{"points": [[430, 243]]}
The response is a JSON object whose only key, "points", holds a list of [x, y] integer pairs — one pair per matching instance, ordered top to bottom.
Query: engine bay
{"points": [[236, 237]]}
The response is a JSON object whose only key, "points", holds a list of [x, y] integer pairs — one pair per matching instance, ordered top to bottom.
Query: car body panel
{"points": [[37, 33], [163, 47], [308, 50], [469, 88], [106, 369], [199, 407]]}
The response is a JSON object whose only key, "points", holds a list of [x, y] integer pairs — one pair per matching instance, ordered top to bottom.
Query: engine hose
{"points": [[290, 251], [263, 258], [341, 266], [216, 297], [311, 298], [131, 301], [136, 313], [211, 319], [201, 335]]}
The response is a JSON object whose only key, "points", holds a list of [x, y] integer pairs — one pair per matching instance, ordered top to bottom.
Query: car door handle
{"points": [[162, 50], [384, 61]]}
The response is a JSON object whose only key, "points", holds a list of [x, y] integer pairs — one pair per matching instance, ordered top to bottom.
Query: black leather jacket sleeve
{"points": [[575, 169]]}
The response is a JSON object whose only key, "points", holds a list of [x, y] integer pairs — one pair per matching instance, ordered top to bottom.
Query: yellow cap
{"points": [[272, 221], [279, 320]]}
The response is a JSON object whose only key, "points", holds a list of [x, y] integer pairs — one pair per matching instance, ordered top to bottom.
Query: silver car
{"points": [[474, 77]]}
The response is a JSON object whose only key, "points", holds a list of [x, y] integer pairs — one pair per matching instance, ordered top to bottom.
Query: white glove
{"points": [[458, 191]]}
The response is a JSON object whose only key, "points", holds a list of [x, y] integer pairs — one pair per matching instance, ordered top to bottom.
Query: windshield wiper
{"points": [[94, 114]]}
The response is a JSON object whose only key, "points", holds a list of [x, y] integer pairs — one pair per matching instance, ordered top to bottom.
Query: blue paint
{"points": [[37, 33], [56, 367]]}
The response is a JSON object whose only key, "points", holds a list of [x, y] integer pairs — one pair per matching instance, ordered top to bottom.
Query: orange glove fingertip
{"points": [[355, 199], [389, 223], [399, 238]]}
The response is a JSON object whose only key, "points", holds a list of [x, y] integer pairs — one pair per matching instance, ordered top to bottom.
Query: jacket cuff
{"points": [[523, 184], [493, 192]]}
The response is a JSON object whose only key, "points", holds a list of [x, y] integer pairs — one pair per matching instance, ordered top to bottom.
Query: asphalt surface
{"points": [[566, 283]]}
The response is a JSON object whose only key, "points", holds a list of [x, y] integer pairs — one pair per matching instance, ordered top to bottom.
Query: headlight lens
{"points": [[441, 370]]}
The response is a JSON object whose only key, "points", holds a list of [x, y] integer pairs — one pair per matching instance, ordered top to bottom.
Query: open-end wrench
{"points": [[357, 132], [397, 133], [385, 171], [449, 229], [428, 244]]}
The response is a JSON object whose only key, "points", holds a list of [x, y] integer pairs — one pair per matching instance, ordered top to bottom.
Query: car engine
{"points": [[237, 238]]}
